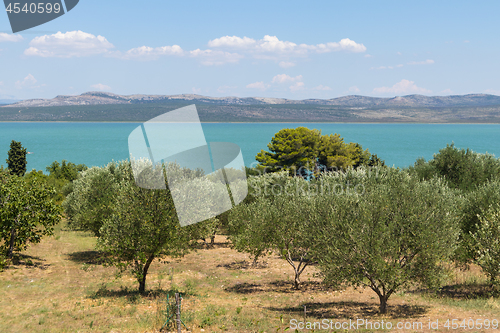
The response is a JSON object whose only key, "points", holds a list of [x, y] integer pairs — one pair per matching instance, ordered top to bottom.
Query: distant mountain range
{"points": [[413, 101], [101, 106]]}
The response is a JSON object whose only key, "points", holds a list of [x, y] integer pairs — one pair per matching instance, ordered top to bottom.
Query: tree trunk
{"points": [[254, 262], [297, 269], [297, 280], [142, 281], [142, 285], [383, 303]]}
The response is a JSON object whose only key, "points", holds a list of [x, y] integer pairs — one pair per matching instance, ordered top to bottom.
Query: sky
{"points": [[288, 49]]}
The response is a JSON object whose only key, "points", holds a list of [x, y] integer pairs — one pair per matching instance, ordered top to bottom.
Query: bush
{"points": [[305, 152], [463, 169], [65, 170], [92, 196], [475, 205], [27, 213], [274, 220], [140, 224], [395, 234], [487, 239]]}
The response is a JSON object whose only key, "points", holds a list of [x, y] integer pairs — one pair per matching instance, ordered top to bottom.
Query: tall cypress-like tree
{"points": [[17, 159]]}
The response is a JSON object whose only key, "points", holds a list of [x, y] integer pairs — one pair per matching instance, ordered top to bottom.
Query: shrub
{"points": [[487, 239]]}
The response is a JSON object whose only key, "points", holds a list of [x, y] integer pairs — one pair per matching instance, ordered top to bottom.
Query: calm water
{"points": [[99, 143]]}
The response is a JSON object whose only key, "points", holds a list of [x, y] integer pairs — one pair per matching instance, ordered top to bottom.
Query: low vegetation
{"points": [[260, 113], [306, 152], [363, 240], [61, 285]]}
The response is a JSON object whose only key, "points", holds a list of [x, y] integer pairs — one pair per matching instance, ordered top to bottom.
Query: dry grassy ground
{"points": [[59, 285]]}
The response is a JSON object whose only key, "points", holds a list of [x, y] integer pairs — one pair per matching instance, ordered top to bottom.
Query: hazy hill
{"points": [[97, 98], [99, 106]]}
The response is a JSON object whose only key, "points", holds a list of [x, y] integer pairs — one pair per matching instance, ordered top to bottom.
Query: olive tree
{"points": [[463, 169], [65, 170], [94, 194], [476, 204], [27, 213], [275, 220], [143, 225], [394, 234], [487, 239]]}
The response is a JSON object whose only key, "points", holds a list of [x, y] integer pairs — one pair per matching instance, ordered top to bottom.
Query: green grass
{"points": [[59, 285]]}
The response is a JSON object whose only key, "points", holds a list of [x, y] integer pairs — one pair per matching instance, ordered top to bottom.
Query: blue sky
{"points": [[290, 49]]}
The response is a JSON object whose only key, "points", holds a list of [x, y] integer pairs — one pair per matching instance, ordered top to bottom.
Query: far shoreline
{"points": [[259, 122]]}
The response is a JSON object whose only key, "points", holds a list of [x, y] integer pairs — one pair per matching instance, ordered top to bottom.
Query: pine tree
{"points": [[17, 159]]}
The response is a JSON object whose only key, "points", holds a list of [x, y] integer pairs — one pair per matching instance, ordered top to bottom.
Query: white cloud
{"points": [[10, 37], [232, 41], [466, 41], [80, 44], [272, 44], [68, 45], [344, 45], [270, 47], [149, 53], [368, 56], [207, 57], [210, 57], [425, 62], [286, 64], [283, 78], [28, 82], [258, 85], [100, 86], [297, 86], [402, 87], [322, 88], [226, 89], [354, 89], [447, 92], [492, 92]]}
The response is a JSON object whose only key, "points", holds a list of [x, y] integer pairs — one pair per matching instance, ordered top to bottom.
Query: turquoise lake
{"points": [[99, 143]]}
